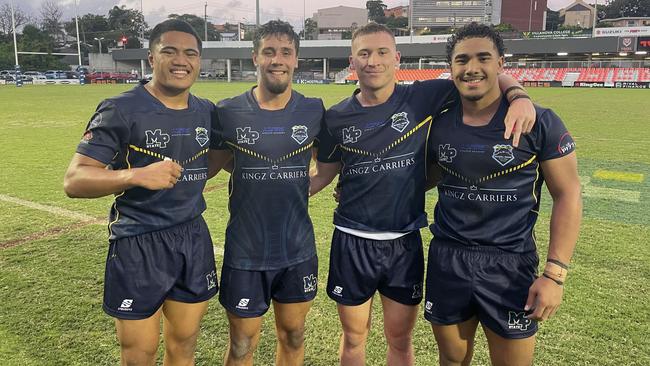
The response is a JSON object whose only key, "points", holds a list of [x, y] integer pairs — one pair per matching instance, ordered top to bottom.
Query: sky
{"points": [[219, 11]]}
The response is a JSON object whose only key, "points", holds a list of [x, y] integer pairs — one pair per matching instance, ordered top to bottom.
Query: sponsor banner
{"points": [[622, 31], [555, 34], [626, 44], [643, 44], [56, 81], [312, 81], [617, 84], [631, 85]]}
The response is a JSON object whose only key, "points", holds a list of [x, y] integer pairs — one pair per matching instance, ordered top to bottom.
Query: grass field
{"points": [[52, 249]]}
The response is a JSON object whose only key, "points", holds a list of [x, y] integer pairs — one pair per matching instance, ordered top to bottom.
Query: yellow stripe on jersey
{"points": [[392, 145], [163, 157], [262, 157], [491, 176], [117, 212]]}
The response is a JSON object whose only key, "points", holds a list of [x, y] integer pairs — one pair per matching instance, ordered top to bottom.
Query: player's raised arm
{"points": [[521, 114], [321, 175], [561, 176], [89, 178]]}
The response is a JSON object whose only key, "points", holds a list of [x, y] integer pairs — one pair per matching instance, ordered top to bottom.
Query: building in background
{"points": [[398, 11], [578, 13], [524, 15], [334, 22], [628, 22]]}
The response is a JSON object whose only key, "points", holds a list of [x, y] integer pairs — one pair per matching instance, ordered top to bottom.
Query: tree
{"points": [[627, 8], [376, 11], [20, 17], [51, 20], [125, 22], [397, 22], [198, 24], [90, 26], [504, 27], [311, 29]]}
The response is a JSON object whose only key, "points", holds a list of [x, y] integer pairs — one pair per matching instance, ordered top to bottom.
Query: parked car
{"points": [[206, 75]]}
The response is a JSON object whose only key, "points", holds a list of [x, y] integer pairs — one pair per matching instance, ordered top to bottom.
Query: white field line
{"points": [[51, 209], [68, 213]]}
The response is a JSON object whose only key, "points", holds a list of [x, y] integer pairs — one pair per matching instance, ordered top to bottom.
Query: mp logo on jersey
{"points": [[399, 121], [299, 133], [246, 135], [351, 135], [202, 136], [156, 138], [446, 153], [503, 154], [310, 282], [518, 321]]}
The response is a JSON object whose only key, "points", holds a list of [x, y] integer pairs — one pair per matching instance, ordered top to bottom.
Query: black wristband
{"points": [[512, 88], [518, 96], [555, 261], [558, 282]]}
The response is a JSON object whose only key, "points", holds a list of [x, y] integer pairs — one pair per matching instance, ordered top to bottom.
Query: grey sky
{"points": [[220, 11]]}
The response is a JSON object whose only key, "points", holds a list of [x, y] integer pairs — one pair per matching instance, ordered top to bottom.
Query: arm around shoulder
{"points": [[321, 175]]}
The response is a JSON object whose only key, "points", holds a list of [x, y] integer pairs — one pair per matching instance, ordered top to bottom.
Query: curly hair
{"points": [[172, 25], [275, 28], [475, 30]]}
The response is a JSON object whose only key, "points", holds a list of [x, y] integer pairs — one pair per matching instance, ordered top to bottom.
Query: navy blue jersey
{"points": [[133, 130], [383, 154], [490, 191], [269, 226]]}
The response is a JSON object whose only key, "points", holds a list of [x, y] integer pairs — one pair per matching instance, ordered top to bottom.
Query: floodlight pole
{"points": [[257, 13], [205, 21], [593, 26], [82, 76], [19, 79]]}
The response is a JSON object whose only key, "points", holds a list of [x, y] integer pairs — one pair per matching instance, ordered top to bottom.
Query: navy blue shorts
{"points": [[359, 267], [143, 271], [485, 282], [248, 294]]}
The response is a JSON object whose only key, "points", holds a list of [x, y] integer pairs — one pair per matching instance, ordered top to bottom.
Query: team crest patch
{"points": [[399, 121], [299, 133], [202, 136], [503, 154]]}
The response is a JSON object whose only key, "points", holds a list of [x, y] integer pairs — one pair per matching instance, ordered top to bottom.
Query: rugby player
{"points": [[376, 140], [148, 147], [270, 252], [482, 264]]}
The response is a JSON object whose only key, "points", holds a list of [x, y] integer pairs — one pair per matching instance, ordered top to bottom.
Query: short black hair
{"points": [[172, 25], [275, 28], [371, 28], [475, 30]]}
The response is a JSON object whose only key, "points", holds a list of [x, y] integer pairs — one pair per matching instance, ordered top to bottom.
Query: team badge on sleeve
{"points": [[399, 121], [299, 133], [202, 136], [503, 154]]}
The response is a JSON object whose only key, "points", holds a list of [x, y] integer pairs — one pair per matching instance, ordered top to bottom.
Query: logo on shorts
{"points": [[399, 121], [299, 133], [202, 136], [247, 136], [156, 138], [503, 154], [211, 278], [310, 282], [338, 290], [417, 291], [243, 304], [126, 305], [428, 306], [518, 321]]}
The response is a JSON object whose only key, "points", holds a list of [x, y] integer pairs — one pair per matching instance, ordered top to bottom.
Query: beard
{"points": [[276, 87], [473, 98]]}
